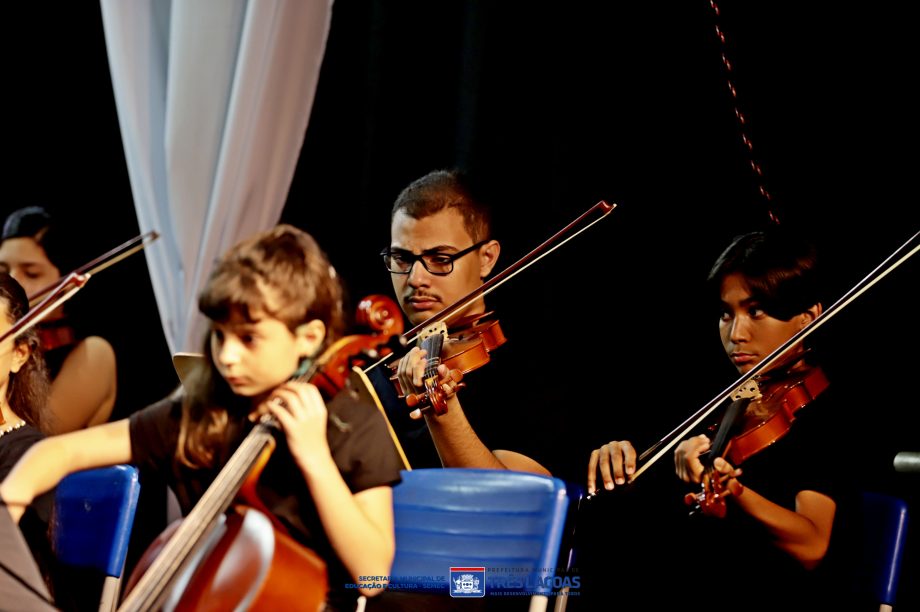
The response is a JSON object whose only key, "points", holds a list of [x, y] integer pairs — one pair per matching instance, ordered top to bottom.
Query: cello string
{"points": [[153, 585]]}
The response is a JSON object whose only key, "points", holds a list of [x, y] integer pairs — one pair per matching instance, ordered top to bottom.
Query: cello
{"points": [[231, 551]]}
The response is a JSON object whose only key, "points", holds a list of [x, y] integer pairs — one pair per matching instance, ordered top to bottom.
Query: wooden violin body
{"points": [[462, 351], [783, 400], [778, 403]]}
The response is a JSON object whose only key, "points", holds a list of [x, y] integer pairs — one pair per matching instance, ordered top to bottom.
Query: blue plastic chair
{"points": [[93, 516], [509, 523], [884, 534]]}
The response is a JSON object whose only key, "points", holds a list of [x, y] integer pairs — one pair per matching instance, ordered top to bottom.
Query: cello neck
{"points": [[153, 587]]}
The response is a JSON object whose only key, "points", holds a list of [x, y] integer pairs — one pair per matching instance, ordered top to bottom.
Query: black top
{"points": [[524, 416], [364, 454], [37, 518], [736, 555], [703, 563]]}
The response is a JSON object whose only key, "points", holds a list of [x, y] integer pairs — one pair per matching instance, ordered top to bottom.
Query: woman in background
{"points": [[34, 251]]}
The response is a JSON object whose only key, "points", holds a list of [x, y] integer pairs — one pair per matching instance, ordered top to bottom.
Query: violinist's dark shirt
{"points": [[506, 412], [365, 456], [736, 556]]}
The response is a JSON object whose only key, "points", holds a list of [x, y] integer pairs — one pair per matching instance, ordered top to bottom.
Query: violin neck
{"points": [[432, 345], [154, 585]]}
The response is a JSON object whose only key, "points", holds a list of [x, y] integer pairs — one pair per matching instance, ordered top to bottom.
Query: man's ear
{"points": [[488, 256], [810, 315], [309, 337]]}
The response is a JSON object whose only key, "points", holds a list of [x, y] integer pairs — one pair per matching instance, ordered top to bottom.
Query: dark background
{"points": [[554, 109]]}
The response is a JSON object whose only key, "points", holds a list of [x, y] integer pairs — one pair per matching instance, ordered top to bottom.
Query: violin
{"points": [[55, 336], [469, 345], [468, 348], [746, 384], [767, 415]]}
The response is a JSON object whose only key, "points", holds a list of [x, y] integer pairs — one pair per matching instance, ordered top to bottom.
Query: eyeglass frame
{"points": [[452, 257]]}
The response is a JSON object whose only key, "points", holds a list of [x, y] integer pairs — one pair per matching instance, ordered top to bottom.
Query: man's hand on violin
{"points": [[411, 370], [411, 375], [615, 460]]}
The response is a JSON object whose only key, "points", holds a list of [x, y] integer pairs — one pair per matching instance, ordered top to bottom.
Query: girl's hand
{"points": [[302, 413]]}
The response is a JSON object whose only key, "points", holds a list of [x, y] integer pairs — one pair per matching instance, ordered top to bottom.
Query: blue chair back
{"points": [[93, 516], [463, 517], [884, 534]]}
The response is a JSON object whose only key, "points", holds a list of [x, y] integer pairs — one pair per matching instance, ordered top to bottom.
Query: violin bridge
{"points": [[439, 328], [749, 390]]}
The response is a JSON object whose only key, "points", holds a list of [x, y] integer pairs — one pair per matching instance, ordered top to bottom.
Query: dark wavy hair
{"points": [[283, 266], [779, 267], [28, 388]]}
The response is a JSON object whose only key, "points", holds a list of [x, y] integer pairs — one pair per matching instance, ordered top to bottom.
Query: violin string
{"points": [[742, 121], [902, 254], [507, 274]]}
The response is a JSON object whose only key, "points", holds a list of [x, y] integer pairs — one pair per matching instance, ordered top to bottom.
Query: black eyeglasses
{"points": [[399, 261]]}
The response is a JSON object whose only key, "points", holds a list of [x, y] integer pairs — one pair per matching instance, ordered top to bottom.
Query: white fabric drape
{"points": [[213, 98]]}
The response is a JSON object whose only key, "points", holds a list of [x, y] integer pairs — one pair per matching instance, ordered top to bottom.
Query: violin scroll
{"points": [[382, 316], [435, 395], [715, 487]]}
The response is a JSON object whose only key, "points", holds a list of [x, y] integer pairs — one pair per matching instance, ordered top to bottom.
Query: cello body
{"points": [[229, 553], [244, 564]]}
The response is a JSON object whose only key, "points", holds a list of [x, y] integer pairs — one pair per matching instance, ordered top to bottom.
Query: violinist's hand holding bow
{"points": [[411, 376], [616, 461]]}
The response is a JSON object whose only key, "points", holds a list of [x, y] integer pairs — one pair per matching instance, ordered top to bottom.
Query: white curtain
{"points": [[213, 99]]}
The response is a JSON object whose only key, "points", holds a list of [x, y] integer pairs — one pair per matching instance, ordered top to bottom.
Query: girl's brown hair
{"points": [[281, 272]]}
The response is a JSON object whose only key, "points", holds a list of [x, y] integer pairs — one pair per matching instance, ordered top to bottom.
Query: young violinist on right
{"points": [[768, 549]]}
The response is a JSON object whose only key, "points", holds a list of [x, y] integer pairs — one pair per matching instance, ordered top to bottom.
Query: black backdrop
{"points": [[554, 109]]}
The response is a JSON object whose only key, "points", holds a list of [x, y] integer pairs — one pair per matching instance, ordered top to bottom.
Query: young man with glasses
{"points": [[441, 250]]}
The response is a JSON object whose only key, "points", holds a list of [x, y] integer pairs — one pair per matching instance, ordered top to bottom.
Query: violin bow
{"points": [[548, 246], [902, 254], [102, 262], [57, 295]]}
